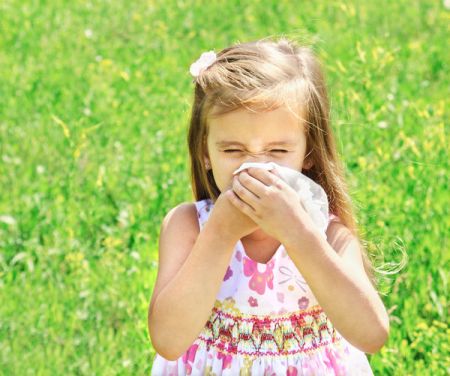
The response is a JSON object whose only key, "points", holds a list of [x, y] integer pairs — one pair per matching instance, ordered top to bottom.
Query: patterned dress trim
{"points": [[233, 332]]}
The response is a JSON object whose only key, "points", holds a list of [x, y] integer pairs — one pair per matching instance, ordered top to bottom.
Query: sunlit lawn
{"points": [[94, 106]]}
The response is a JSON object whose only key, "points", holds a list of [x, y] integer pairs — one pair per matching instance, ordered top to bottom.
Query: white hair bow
{"points": [[205, 60]]}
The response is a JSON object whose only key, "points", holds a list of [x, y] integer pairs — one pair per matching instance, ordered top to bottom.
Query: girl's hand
{"points": [[271, 203], [229, 218]]}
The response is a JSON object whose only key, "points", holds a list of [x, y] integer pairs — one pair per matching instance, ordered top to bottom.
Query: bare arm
{"points": [[337, 278], [183, 306]]}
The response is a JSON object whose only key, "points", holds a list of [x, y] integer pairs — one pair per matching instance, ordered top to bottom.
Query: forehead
{"points": [[279, 125]]}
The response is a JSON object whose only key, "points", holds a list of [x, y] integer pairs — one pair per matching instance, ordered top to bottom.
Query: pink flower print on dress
{"points": [[239, 256], [228, 274], [258, 280], [280, 297], [253, 302], [303, 302], [282, 311], [189, 357], [226, 362], [333, 362], [199, 365], [309, 368], [269, 371], [291, 371]]}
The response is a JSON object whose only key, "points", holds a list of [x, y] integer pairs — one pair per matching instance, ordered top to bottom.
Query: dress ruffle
{"points": [[325, 361]]}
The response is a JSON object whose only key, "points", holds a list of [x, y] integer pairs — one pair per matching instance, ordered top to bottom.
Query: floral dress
{"points": [[265, 321]]}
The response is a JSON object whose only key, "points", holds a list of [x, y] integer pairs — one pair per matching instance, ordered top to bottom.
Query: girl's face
{"points": [[244, 136]]}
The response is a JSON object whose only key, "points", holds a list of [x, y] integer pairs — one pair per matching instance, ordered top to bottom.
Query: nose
{"points": [[261, 157]]}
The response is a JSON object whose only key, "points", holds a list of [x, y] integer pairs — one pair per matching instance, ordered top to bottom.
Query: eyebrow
{"points": [[228, 143]]}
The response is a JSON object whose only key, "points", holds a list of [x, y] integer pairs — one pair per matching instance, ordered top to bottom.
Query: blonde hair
{"points": [[266, 74]]}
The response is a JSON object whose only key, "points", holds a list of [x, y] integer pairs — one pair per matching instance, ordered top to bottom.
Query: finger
{"points": [[276, 172], [258, 173], [269, 178], [253, 184], [244, 193], [241, 205]]}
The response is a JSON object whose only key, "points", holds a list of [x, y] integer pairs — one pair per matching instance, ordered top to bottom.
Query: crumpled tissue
{"points": [[312, 195]]}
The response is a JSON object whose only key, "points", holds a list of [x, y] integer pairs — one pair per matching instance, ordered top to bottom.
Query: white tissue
{"points": [[312, 195]]}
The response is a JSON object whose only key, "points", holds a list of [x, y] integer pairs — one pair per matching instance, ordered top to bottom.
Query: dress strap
{"points": [[204, 208]]}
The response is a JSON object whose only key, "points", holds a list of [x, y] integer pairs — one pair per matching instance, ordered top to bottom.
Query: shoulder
{"points": [[185, 209], [183, 220], [339, 236], [346, 244]]}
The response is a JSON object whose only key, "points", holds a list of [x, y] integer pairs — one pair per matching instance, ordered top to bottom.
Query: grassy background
{"points": [[94, 105]]}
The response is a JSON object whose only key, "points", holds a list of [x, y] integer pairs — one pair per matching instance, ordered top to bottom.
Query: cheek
{"points": [[294, 161], [228, 164], [223, 174]]}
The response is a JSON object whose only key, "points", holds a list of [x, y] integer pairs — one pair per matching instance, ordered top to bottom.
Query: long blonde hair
{"points": [[266, 74]]}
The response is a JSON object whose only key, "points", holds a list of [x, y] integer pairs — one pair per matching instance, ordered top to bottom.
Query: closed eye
{"points": [[272, 151]]}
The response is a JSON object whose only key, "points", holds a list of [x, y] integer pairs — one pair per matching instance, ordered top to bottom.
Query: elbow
{"points": [[378, 339], [161, 346], [375, 346], [166, 352], [170, 356]]}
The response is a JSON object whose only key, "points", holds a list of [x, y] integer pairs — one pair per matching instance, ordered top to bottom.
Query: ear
{"points": [[206, 159], [207, 162], [307, 164]]}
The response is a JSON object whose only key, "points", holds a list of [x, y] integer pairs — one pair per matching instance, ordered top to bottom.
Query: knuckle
{"points": [[253, 171], [244, 177], [278, 185], [239, 189], [268, 192]]}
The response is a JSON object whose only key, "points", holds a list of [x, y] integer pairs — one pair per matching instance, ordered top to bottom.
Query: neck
{"points": [[257, 236]]}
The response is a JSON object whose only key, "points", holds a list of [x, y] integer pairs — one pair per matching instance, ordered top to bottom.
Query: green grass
{"points": [[94, 106]]}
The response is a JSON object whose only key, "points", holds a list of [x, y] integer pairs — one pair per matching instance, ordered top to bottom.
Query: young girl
{"points": [[247, 284]]}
